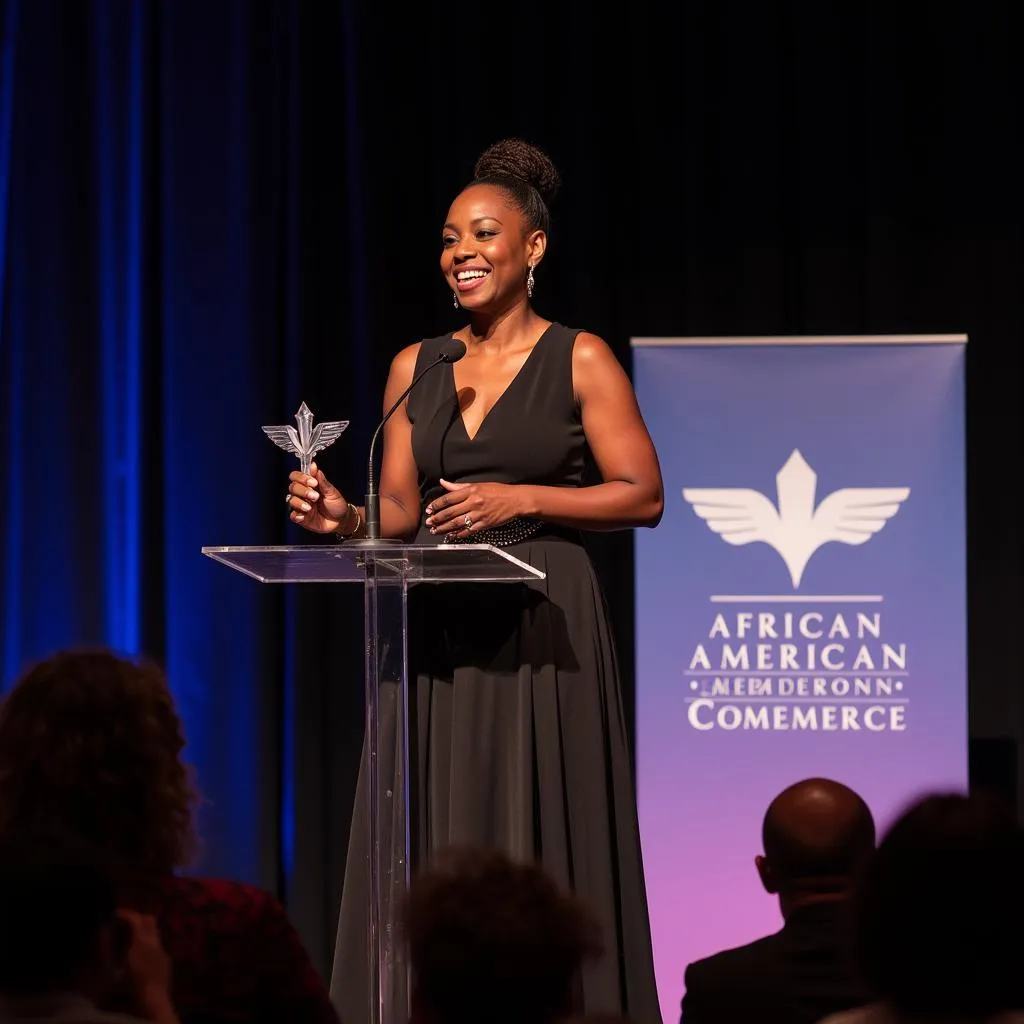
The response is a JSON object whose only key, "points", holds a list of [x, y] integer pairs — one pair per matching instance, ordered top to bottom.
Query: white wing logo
{"points": [[796, 529]]}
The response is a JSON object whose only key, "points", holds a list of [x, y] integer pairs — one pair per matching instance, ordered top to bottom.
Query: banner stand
{"points": [[800, 611]]}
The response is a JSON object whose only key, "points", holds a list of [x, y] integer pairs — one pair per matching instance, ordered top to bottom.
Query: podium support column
{"points": [[387, 729]]}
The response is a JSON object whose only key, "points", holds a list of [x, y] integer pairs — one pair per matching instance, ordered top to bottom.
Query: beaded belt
{"points": [[515, 531]]}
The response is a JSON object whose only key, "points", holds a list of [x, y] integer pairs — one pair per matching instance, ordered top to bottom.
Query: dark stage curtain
{"points": [[211, 211]]}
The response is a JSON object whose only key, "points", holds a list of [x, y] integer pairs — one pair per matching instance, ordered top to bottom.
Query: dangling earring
{"points": [[529, 282], [455, 299]]}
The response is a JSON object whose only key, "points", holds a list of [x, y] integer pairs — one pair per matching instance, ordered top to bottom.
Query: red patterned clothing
{"points": [[235, 955]]}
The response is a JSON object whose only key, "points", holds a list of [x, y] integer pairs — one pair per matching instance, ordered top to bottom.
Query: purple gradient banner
{"points": [[801, 610]]}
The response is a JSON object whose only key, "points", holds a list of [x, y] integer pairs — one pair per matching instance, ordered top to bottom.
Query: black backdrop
{"points": [[213, 209]]}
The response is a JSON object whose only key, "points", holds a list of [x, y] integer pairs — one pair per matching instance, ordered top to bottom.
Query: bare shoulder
{"points": [[590, 349], [404, 361], [594, 365], [403, 367]]}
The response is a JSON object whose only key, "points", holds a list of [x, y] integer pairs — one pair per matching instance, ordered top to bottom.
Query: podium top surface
{"points": [[341, 563]]}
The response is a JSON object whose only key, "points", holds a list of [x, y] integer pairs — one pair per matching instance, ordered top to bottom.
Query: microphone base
{"points": [[366, 542]]}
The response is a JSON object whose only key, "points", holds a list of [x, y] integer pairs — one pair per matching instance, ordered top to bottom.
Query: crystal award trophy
{"points": [[307, 440]]}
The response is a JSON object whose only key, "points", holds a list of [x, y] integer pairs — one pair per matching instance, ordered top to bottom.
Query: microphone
{"points": [[451, 352]]}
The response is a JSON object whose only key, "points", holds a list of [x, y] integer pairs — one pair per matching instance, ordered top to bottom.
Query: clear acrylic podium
{"points": [[386, 570]]}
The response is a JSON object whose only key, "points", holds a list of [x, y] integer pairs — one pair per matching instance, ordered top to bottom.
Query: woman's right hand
{"points": [[314, 502]]}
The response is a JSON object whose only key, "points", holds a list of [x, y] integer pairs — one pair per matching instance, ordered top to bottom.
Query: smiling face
{"points": [[487, 249]]}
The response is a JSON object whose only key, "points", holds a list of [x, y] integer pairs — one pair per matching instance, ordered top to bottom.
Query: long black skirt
{"points": [[518, 742]]}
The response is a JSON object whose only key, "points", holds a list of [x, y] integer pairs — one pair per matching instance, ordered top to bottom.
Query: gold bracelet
{"points": [[348, 515]]}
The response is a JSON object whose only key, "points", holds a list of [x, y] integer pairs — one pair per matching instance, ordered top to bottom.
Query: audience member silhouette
{"points": [[90, 745], [816, 834], [940, 916], [492, 940], [64, 947]]}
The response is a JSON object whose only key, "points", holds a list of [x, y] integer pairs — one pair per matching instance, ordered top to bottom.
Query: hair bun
{"points": [[514, 158]]}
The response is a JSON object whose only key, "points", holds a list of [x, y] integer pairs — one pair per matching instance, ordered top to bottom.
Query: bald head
{"points": [[816, 833]]}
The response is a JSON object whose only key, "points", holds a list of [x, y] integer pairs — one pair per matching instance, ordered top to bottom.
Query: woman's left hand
{"points": [[468, 508]]}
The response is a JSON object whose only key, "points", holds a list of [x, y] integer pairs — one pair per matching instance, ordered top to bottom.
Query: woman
{"points": [[519, 736], [90, 747]]}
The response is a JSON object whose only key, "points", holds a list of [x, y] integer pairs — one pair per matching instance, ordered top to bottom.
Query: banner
{"points": [[800, 611]]}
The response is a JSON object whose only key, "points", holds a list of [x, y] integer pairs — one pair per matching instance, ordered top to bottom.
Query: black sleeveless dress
{"points": [[517, 735]]}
